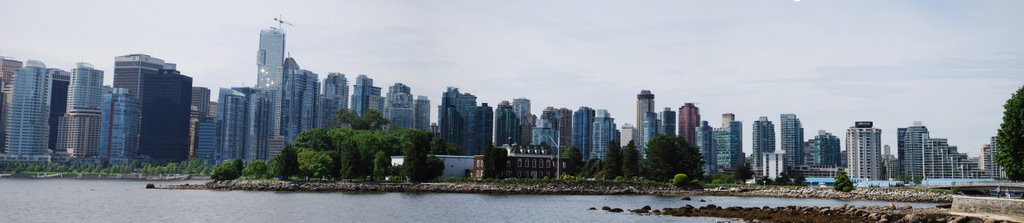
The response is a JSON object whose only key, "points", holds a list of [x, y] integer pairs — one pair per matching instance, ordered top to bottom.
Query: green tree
{"points": [[371, 120], [1010, 138], [576, 158], [630, 160], [613, 161], [349, 162], [286, 164], [315, 164], [415, 164], [381, 165], [435, 167], [257, 169], [591, 169], [226, 171], [744, 173], [783, 179], [680, 180], [843, 182]]}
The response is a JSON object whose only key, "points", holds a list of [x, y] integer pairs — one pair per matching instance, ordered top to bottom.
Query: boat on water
{"points": [[2, 175]]}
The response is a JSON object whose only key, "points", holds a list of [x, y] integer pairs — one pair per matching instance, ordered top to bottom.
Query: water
{"points": [[69, 200]]}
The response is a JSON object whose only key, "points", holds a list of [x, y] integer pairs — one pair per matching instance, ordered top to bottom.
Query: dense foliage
{"points": [[347, 118], [1010, 139], [669, 155], [576, 157], [495, 161], [613, 161], [630, 161], [189, 167], [229, 170], [744, 173], [843, 182]]}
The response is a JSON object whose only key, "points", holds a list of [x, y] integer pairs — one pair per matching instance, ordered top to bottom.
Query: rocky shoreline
{"points": [[533, 188], [572, 188], [873, 194], [846, 213]]}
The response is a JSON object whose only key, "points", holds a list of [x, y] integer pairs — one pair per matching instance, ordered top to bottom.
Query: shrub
{"points": [[680, 180]]}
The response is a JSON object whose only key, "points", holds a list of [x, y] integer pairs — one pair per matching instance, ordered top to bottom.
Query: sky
{"points": [[950, 64]]}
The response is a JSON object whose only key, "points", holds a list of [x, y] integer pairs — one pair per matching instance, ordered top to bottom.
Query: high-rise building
{"points": [[270, 59], [8, 67], [59, 82], [301, 93], [364, 95], [335, 97], [201, 100], [644, 105], [399, 106], [521, 106], [213, 109], [421, 113], [233, 116], [689, 119], [458, 121], [667, 121], [27, 125], [506, 125], [526, 125], [119, 126], [484, 126], [164, 127], [564, 127], [583, 130], [648, 131], [79, 132], [604, 133], [543, 134], [628, 134], [207, 139], [792, 139], [764, 140], [705, 141], [729, 143], [910, 143], [263, 144], [864, 148], [828, 149], [987, 163], [772, 164], [890, 164]]}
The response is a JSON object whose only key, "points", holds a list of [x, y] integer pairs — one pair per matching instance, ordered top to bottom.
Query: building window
{"points": [[519, 163]]}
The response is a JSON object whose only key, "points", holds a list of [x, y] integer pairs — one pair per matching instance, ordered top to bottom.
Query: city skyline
{"points": [[894, 75]]}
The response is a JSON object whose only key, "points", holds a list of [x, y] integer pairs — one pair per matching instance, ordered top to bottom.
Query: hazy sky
{"points": [[950, 64]]}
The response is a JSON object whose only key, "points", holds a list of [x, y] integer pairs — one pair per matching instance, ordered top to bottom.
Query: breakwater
{"points": [[872, 194], [845, 213]]}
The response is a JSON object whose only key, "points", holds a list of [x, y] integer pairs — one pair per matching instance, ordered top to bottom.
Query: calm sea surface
{"points": [[70, 200]]}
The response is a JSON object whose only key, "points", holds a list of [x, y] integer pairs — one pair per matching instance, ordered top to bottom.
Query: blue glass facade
{"points": [[119, 126], [583, 130], [604, 133], [705, 141]]}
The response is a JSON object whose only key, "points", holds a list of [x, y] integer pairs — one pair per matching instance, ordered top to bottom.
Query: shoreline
{"points": [[573, 188], [844, 213]]}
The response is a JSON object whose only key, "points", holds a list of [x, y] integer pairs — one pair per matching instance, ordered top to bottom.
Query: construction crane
{"points": [[280, 22]]}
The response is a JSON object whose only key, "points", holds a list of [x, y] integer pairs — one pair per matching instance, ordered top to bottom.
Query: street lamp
{"points": [[558, 163]]}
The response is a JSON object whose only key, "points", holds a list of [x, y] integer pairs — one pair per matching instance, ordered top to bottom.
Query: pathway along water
{"points": [[62, 200]]}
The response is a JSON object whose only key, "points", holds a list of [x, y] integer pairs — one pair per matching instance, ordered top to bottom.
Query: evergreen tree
{"points": [[1010, 139], [576, 158], [613, 161], [630, 161], [286, 164], [381, 165], [744, 173], [843, 182]]}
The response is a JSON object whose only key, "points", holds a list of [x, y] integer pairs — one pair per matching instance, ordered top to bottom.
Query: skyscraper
{"points": [[270, 59], [8, 67], [59, 82], [301, 93], [364, 95], [335, 97], [201, 100], [644, 105], [399, 106], [521, 106], [261, 109], [421, 113], [233, 116], [689, 119], [667, 120], [27, 121], [458, 121], [526, 124], [506, 125], [119, 126], [484, 126], [164, 127], [564, 127], [79, 129], [583, 130], [649, 131], [604, 133], [543, 134], [627, 134], [207, 139], [764, 139], [792, 139], [705, 141], [729, 143], [910, 143], [864, 148], [828, 149], [987, 161]]}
